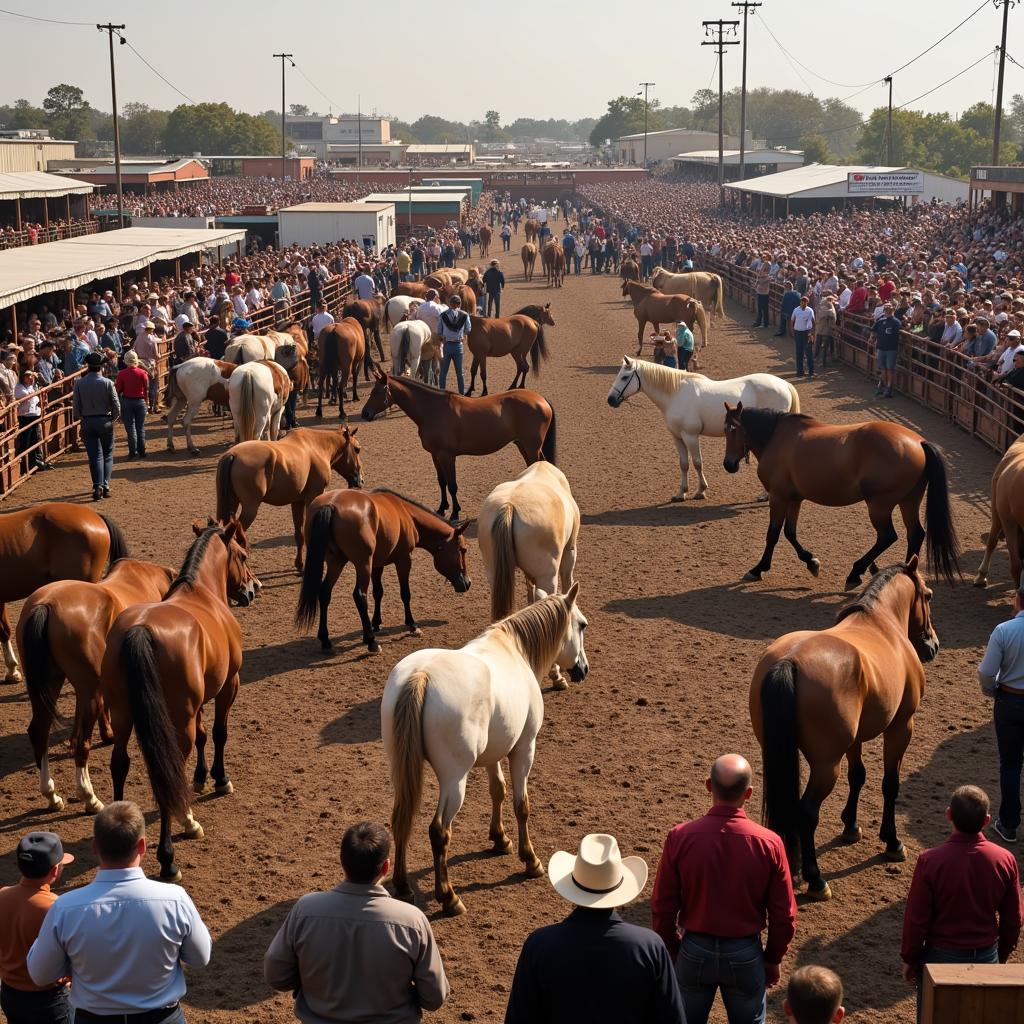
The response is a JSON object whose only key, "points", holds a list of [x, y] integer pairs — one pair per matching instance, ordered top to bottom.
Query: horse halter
{"points": [[629, 380]]}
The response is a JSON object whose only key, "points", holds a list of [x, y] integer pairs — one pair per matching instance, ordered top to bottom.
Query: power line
{"points": [[977, 10], [48, 21], [792, 58], [298, 68], [713, 70], [163, 79]]}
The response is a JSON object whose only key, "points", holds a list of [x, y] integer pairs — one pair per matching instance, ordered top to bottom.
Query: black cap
{"points": [[94, 360], [39, 853]]}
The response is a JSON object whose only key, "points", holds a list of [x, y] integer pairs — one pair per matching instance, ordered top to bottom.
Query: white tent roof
{"points": [[440, 148], [755, 156], [827, 181], [36, 184], [416, 198], [60, 266]]}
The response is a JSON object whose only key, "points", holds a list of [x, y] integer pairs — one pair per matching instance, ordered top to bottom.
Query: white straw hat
{"points": [[598, 876]]}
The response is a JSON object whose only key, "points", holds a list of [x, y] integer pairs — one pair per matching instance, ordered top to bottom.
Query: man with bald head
{"points": [[721, 879]]}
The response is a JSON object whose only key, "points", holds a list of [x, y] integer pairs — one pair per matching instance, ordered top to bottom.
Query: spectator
{"points": [[494, 282], [364, 285], [762, 291], [790, 301], [320, 320], [802, 323], [454, 325], [824, 328], [887, 329], [684, 346], [8, 377], [132, 384], [96, 406], [29, 415], [719, 879], [23, 907], [123, 938], [355, 953], [593, 966], [814, 996]]}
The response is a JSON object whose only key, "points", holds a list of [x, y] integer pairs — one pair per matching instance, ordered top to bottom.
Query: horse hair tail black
{"points": [[539, 350], [549, 448], [226, 501], [317, 539], [943, 543], [118, 544], [40, 668], [153, 727], [781, 754]]}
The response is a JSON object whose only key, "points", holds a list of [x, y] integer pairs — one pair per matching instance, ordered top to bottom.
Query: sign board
{"points": [[885, 183]]}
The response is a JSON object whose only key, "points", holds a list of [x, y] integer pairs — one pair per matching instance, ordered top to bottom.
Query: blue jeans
{"points": [[577, 262], [646, 266], [762, 311], [803, 350], [451, 352], [133, 413], [98, 435], [1008, 716], [953, 956], [706, 964], [50, 1007], [175, 1016]]}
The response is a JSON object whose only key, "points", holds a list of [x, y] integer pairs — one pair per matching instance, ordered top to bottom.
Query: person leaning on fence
{"points": [[96, 406], [29, 416]]}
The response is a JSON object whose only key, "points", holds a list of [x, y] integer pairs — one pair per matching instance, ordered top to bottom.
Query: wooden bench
{"points": [[973, 994]]}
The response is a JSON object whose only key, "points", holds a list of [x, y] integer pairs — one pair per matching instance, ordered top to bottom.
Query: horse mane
{"points": [[663, 378], [421, 386], [760, 424], [411, 501], [194, 558], [872, 592], [538, 630]]}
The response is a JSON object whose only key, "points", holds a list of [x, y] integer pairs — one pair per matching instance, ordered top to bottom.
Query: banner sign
{"points": [[885, 183]]}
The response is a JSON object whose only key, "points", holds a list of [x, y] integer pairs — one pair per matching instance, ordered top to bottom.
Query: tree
{"points": [[705, 109], [298, 110], [68, 111], [22, 115], [625, 116], [980, 118], [1013, 122], [216, 128], [491, 128], [142, 129], [435, 130], [403, 131], [815, 147]]}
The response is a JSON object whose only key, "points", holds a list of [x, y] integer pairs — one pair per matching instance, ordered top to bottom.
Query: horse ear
{"points": [[728, 407], [739, 407], [353, 431], [198, 526], [463, 527], [912, 564], [570, 598]]}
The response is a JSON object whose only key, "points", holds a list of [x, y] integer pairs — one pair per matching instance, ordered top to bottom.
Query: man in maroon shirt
{"points": [[858, 297], [720, 879], [964, 905]]}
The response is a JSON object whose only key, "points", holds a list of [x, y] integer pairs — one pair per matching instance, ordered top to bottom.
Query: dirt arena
{"points": [[672, 642]]}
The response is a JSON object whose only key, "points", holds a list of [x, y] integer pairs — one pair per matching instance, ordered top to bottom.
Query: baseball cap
{"points": [[1013, 334], [39, 852]]}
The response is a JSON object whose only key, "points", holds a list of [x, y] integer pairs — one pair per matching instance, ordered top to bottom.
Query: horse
{"points": [[531, 229], [485, 240], [529, 256], [554, 264], [629, 270], [706, 288], [412, 289], [651, 306], [398, 308], [368, 313], [520, 335], [407, 341], [342, 347], [250, 348], [189, 385], [257, 393], [691, 406], [450, 425], [880, 463], [292, 471], [1007, 513], [373, 530], [51, 541], [62, 634], [164, 661], [828, 692], [470, 708]]}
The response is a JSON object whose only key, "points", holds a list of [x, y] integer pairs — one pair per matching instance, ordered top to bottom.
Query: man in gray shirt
{"points": [[96, 406], [355, 953]]}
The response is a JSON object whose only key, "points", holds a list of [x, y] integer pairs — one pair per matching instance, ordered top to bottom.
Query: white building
{"points": [[316, 132], [663, 145], [370, 224]]}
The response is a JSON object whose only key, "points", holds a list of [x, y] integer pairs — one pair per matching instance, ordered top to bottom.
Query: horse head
{"points": [[545, 315], [626, 383], [380, 397], [736, 447], [347, 463], [450, 558], [242, 584], [919, 625], [572, 656]]}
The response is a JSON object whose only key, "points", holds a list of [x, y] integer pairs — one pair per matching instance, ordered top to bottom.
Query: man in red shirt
{"points": [[858, 298], [720, 879], [964, 905]]}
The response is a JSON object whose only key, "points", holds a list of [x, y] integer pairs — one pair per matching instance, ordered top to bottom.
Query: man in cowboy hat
{"points": [[494, 281], [593, 965]]}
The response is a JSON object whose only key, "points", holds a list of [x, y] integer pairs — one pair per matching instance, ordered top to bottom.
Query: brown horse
{"points": [[531, 228], [485, 240], [529, 255], [554, 264], [629, 270], [416, 289], [652, 307], [368, 313], [520, 336], [341, 347], [450, 425], [880, 463], [292, 471], [1007, 513], [373, 530], [49, 542], [62, 634], [164, 662], [827, 693]]}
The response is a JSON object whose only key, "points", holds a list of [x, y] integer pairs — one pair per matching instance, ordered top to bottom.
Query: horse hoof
{"points": [[319, 414], [194, 451], [699, 496], [678, 497], [814, 567], [752, 577], [981, 582], [852, 583], [376, 627], [415, 631], [325, 645], [375, 648], [14, 677], [559, 684], [200, 788], [224, 788], [55, 802], [92, 806], [193, 831], [851, 835], [502, 846], [897, 855], [534, 870], [171, 877], [819, 895], [455, 908]]}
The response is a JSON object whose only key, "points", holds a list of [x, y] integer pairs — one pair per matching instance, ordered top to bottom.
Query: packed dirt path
{"points": [[673, 639]]}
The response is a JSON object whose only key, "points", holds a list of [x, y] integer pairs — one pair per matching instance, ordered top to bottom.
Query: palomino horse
{"points": [[531, 229], [485, 240], [529, 256], [554, 264], [705, 288], [651, 307], [368, 313], [520, 336], [407, 341], [341, 348], [189, 385], [257, 393], [692, 406], [450, 425], [880, 463], [292, 471], [1007, 513], [373, 530], [48, 542], [62, 634], [164, 662], [827, 693], [470, 708]]}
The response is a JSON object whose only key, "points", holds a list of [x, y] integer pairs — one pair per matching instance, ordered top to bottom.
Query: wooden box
{"points": [[973, 994]]}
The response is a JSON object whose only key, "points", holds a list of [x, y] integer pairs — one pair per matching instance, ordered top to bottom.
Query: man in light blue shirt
{"points": [[123, 938]]}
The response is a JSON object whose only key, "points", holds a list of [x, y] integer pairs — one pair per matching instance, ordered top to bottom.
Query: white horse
{"points": [[397, 308], [407, 341], [249, 348], [192, 383], [257, 393], [693, 404], [471, 708]]}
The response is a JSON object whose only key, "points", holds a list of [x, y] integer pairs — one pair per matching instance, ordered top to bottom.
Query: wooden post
{"points": [[67, 206], [46, 213], [17, 214], [177, 270], [71, 302], [14, 322]]}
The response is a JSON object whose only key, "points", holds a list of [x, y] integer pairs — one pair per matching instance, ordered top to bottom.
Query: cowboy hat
{"points": [[598, 877]]}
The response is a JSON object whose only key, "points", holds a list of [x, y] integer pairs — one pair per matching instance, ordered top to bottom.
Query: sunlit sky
{"points": [[528, 58]]}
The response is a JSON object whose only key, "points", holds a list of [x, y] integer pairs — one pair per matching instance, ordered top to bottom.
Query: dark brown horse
{"points": [[485, 240], [554, 264], [652, 307], [368, 313], [521, 336], [341, 347], [450, 425], [877, 462], [372, 530], [49, 542], [62, 634], [164, 662], [827, 693]]}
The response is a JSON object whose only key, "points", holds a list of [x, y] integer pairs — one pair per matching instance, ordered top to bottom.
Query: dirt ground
{"points": [[673, 641]]}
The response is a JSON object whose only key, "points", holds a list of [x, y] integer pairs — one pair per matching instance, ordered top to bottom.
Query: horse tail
{"points": [[719, 307], [702, 319], [539, 350], [403, 351], [174, 391], [794, 404], [247, 409], [549, 448], [226, 501], [318, 538], [943, 543], [118, 545], [503, 589], [39, 666], [153, 727], [781, 753], [408, 755]]}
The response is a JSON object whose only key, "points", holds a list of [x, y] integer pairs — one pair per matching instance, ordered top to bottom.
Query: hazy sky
{"points": [[530, 58]]}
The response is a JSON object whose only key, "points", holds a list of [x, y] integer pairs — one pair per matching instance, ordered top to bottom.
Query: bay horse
{"points": [[485, 240], [529, 257], [554, 264], [704, 287], [412, 289], [652, 307], [368, 313], [520, 335], [341, 347], [189, 385], [450, 425], [880, 463], [292, 471], [1007, 513], [373, 530], [51, 541], [62, 634], [164, 661], [826, 693], [468, 708]]}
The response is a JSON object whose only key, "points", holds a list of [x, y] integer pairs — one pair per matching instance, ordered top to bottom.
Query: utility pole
{"points": [[747, 5], [110, 30], [717, 30], [645, 86], [997, 126], [888, 130], [359, 131], [284, 144]]}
